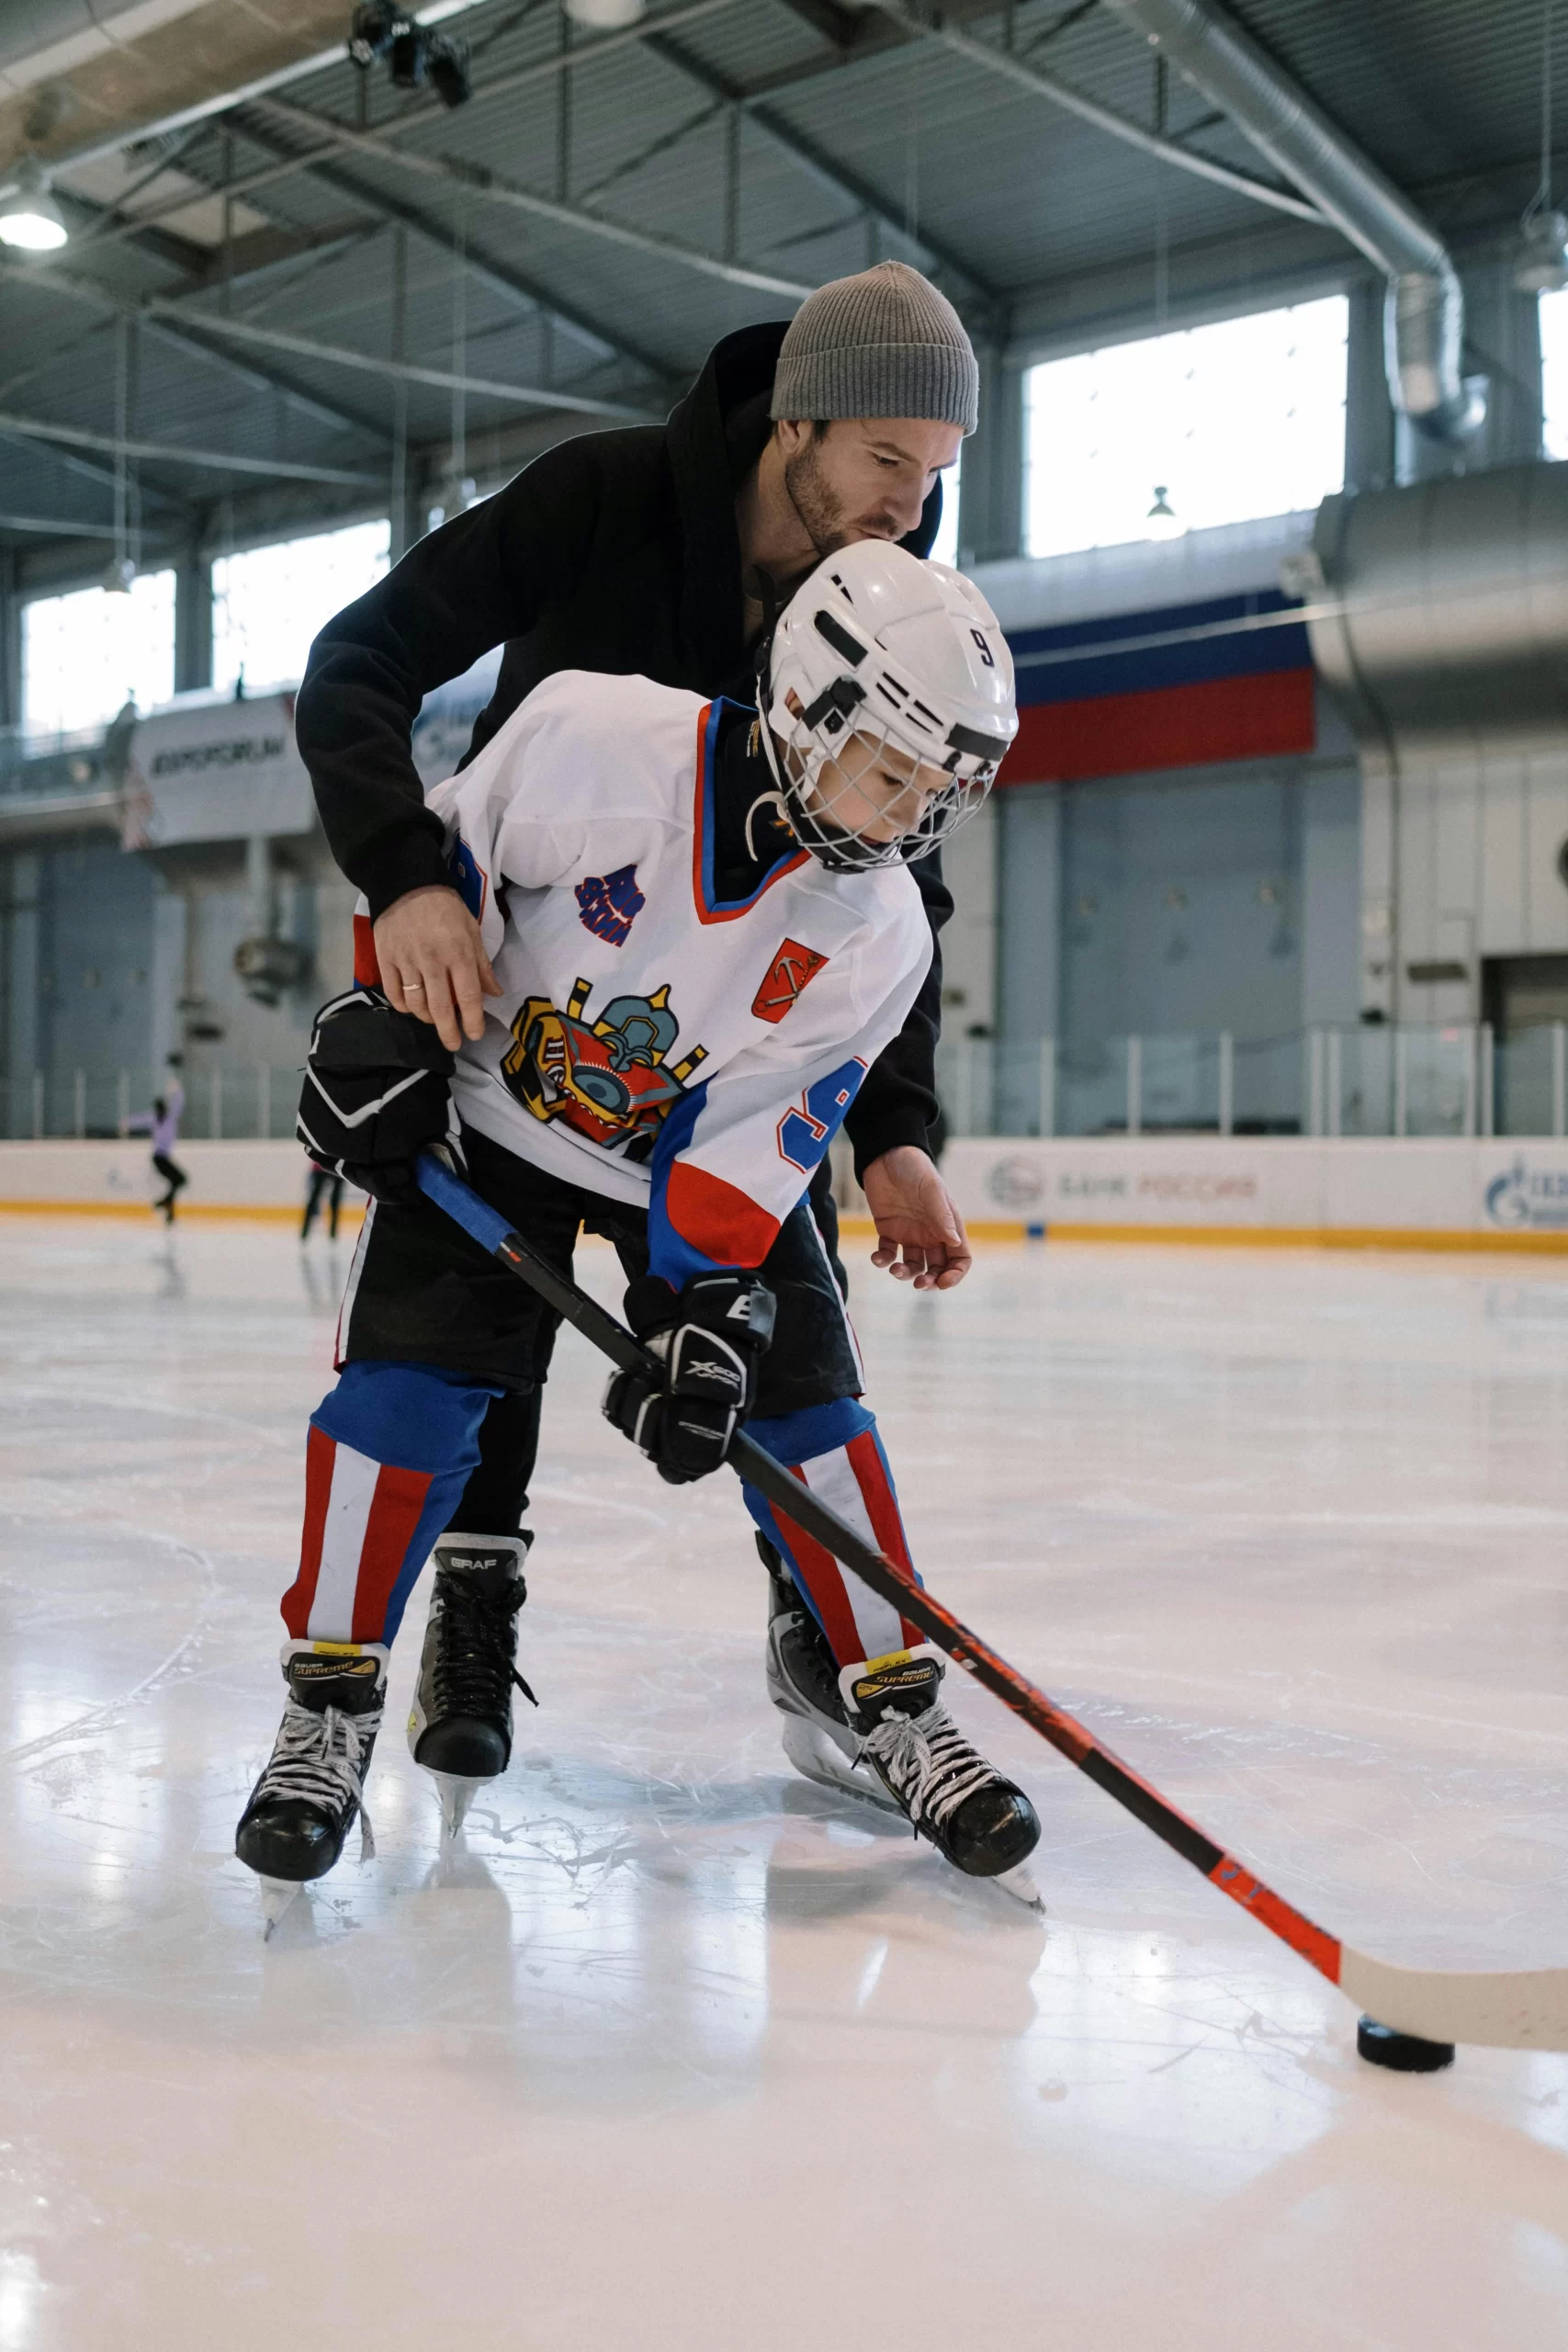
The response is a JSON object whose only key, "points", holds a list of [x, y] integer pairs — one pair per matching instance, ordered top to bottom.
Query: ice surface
{"points": [[672, 2049]]}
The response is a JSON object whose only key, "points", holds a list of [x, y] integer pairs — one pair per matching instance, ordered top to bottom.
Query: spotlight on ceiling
{"points": [[605, 15], [413, 54], [448, 64], [29, 218], [1540, 266], [1162, 522]]}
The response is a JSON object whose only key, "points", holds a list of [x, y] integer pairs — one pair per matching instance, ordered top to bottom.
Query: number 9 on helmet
{"points": [[886, 696]]}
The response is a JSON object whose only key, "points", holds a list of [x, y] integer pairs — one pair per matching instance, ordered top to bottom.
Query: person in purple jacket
{"points": [[163, 1123]]}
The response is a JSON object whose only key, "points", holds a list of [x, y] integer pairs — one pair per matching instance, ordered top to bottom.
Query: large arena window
{"points": [[1554, 374], [1180, 432], [268, 603], [86, 654]]}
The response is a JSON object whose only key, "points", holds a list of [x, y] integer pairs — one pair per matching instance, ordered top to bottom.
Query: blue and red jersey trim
{"points": [[710, 907]]}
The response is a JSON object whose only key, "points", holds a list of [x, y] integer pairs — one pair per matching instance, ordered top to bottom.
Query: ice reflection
{"points": [[726, 1956], [670, 2034], [20, 2290]]}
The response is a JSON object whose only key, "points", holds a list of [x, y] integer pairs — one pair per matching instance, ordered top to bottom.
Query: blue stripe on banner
{"points": [[1246, 653], [408, 1416], [794, 1437]]}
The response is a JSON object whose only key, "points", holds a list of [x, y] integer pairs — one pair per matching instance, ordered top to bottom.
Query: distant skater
{"points": [[163, 1123], [323, 1186]]}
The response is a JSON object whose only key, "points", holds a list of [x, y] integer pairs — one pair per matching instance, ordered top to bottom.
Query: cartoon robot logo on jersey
{"points": [[605, 1080]]}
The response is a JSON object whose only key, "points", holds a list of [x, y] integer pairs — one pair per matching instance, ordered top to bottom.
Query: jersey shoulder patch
{"points": [[790, 973]]}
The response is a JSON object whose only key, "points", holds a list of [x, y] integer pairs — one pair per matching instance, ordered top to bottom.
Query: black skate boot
{"points": [[803, 1683], [460, 1723], [303, 1806], [983, 1824]]}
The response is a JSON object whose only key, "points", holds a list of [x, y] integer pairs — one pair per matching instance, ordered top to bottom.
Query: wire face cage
{"points": [[859, 794]]}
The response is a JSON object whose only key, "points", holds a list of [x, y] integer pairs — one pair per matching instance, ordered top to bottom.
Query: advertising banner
{"points": [[222, 771], [1451, 1192]]}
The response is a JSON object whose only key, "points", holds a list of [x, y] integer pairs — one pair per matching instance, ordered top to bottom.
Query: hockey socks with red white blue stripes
{"points": [[390, 1453]]}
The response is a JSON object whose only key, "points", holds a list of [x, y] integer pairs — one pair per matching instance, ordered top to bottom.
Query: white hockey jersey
{"points": [[652, 1042]]}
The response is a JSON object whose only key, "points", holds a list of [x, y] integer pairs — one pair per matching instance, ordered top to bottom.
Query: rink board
{"points": [[260, 1180], [1420, 1193]]}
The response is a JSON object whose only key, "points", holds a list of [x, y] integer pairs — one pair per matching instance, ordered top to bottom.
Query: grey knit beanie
{"points": [[885, 343]]}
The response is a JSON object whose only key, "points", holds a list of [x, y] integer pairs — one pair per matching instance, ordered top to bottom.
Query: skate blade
{"points": [[817, 1758], [457, 1792], [1021, 1883], [276, 1894]]}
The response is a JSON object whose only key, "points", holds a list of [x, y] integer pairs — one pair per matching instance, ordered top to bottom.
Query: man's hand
{"points": [[433, 963], [918, 1216]]}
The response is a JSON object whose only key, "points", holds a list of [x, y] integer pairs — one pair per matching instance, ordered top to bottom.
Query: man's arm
{"points": [[480, 580], [898, 1105], [919, 1233]]}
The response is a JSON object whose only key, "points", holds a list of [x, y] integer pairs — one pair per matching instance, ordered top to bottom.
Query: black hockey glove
{"points": [[375, 1094], [709, 1341]]}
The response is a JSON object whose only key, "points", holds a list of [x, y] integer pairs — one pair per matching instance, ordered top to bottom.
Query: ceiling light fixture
{"points": [[413, 53], [31, 220], [1162, 522]]}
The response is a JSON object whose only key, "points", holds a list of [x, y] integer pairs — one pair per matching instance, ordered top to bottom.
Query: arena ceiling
{"points": [[283, 272]]}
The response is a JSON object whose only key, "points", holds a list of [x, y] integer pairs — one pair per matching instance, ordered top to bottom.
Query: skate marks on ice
{"points": [[562, 2075]]}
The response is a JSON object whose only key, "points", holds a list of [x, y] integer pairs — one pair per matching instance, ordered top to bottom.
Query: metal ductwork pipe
{"points": [[1425, 317]]}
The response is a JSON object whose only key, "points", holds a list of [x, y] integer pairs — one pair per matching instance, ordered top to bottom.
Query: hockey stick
{"points": [[1515, 2009]]}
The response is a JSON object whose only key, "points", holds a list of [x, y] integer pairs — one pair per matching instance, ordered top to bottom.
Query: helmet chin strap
{"points": [[780, 807]]}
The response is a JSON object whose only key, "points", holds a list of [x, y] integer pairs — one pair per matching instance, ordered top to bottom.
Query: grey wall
{"points": [[1207, 899], [108, 961]]}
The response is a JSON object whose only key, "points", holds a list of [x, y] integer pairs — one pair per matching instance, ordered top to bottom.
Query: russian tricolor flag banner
{"points": [[1218, 689]]}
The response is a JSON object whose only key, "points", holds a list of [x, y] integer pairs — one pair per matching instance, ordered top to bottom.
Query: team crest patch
{"points": [[608, 904], [791, 971], [607, 1080]]}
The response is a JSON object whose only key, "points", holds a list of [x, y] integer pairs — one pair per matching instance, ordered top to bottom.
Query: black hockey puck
{"points": [[1406, 2054]]}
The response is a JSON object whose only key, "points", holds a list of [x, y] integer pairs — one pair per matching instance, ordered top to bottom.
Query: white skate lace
{"points": [[319, 1757], [930, 1764]]}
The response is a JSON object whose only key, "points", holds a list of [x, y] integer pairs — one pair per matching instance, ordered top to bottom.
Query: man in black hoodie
{"points": [[661, 550]]}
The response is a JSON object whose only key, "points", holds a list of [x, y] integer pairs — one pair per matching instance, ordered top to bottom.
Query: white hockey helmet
{"points": [[884, 653]]}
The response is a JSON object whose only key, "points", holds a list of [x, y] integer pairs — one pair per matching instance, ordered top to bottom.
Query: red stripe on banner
{"points": [[1169, 727], [367, 969], [724, 1223], [320, 1456], [882, 1509], [394, 1515], [825, 1581]]}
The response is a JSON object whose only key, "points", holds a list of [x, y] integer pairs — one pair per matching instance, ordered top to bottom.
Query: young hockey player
{"points": [[700, 946]]}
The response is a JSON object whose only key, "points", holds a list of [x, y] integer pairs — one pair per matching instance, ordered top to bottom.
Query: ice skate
{"points": [[803, 1683], [460, 1723], [303, 1806], [980, 1821]]}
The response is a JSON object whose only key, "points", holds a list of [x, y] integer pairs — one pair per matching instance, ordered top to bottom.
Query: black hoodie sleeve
{"points": [[480, 580], [898, 1101]]}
